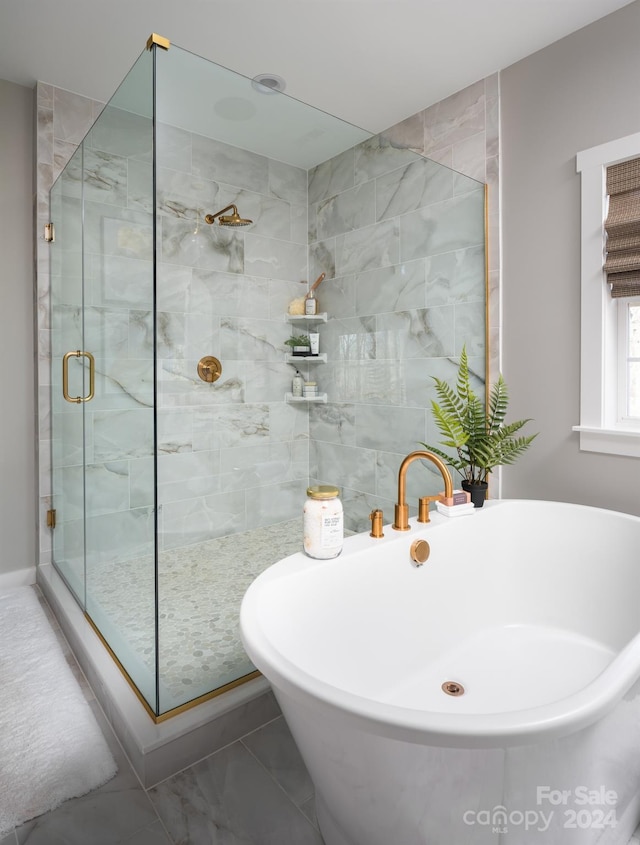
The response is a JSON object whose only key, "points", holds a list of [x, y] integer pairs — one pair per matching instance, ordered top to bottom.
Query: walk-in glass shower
{"points": [[180, 459]]}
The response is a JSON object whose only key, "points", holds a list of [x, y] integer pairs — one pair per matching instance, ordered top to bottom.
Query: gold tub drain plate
{"points": [[453, 688]]}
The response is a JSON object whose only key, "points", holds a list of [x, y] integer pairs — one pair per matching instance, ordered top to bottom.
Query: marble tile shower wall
{"points": [[462, 132], [401, 240], [233, 455]]}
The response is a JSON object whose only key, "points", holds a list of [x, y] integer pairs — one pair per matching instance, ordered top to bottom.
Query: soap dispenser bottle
{"points": [[310, 304], [297, 385]]}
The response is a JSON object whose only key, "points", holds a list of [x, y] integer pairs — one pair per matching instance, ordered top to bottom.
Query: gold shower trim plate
{"points": [[209, 369], [182, 708]]}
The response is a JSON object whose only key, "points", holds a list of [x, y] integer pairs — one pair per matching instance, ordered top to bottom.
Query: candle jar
{"points": [[323, 524]]}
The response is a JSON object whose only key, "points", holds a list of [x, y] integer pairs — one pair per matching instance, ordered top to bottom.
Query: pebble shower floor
{"points": [[200, 592]]}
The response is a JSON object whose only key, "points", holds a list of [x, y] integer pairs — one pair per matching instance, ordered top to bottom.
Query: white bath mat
{"points": [[51, 747]]}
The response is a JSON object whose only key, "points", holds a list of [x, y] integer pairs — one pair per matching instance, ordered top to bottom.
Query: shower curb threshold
{"points": [[156, 751]]}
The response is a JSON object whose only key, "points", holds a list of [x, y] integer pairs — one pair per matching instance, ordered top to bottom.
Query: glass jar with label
{"points": [[310, 389], [323, 525]]}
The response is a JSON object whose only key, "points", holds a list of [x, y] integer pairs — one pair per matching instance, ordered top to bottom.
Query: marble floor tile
{"points": [[274, 747], [254, 792], [230, 799], [309, 809], [110, 815], [101, 818], [155, 834]]}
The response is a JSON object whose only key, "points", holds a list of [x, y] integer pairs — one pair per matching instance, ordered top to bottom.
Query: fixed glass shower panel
{"points": [[104, 423], [233, 456]]}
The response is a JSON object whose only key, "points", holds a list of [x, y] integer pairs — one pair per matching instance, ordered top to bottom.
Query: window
{"points": [[610, 326], [629, 362]]}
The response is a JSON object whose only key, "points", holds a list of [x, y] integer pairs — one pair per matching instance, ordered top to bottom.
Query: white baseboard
{"points": [[17, 578]]}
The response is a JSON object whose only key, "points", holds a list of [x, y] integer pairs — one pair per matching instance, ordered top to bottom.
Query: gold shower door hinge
{"points": [[49, 233], [51, 518]]}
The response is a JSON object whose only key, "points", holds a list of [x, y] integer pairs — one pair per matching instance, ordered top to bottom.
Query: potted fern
{"points": [[480, 439]]}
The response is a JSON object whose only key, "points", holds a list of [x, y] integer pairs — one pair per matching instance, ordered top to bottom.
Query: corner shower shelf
{"points": [[306, 318], [309, 359], [289, 397]]}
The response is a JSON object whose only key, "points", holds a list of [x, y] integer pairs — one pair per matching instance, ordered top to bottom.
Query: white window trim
{"points": [[599, 429]]}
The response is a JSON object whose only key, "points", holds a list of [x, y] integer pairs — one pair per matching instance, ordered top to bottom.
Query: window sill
{"points": [[610, 441]]}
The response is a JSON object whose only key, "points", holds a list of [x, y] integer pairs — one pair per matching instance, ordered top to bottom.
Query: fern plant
{"points": [[298, 340], [480, 439]]}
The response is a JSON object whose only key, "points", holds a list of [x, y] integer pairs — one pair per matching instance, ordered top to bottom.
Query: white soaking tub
{"points": [[531, 610]]}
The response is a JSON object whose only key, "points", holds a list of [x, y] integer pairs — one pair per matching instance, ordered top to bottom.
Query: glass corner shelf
{"points": [[307, 359], [289, 397]]}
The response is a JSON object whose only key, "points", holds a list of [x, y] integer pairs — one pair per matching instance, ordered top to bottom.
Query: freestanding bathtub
{"points": [[533, 609]]}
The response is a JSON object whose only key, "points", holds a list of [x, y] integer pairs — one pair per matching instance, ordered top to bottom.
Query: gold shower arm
{"points": [[210, 218]]}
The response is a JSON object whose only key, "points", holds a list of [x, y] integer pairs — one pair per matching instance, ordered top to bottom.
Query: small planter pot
{"points": [[301, 351], [478, 492]]}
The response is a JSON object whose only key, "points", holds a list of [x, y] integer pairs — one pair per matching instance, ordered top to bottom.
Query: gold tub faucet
{"points": [[401, 522]]}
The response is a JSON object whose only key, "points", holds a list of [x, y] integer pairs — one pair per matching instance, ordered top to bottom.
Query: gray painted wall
{"points": [[566, 98], [17, 416]]}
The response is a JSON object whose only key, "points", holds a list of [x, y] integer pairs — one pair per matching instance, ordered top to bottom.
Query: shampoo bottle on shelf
{"points": [[310, 304], [297, 384]]}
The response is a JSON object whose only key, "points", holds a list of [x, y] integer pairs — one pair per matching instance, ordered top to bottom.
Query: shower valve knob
{"points": [[209, 369]]}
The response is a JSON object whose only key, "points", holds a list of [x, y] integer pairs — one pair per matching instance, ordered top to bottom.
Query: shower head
{"points": [[223, 219]]}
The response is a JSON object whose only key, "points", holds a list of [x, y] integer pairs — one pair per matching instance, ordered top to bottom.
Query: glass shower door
{"points": [[104, 344], [68, 376]]}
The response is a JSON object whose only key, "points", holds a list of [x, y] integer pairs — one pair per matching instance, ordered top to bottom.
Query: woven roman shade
{"points": [[622, 227]]}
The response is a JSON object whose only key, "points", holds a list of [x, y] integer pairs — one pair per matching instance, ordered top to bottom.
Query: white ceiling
{"points": [[370, 62]]}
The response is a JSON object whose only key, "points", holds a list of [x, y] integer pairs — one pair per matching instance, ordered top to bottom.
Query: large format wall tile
{"points": [[223, 163], [332, 177], [414, 186], [443, 227], [368, 248]]}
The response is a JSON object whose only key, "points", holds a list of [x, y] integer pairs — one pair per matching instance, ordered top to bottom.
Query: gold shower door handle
{"points": [[65, 376]]}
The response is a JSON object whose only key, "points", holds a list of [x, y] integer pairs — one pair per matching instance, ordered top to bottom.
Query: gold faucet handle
{"points": [[423, 507], [376, 516]]}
